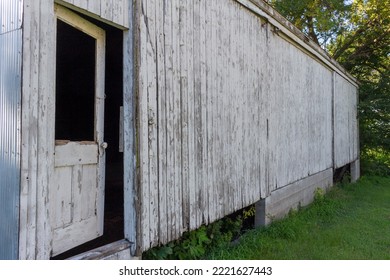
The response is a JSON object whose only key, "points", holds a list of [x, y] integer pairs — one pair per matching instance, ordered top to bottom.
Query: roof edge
{"points": [[265, 10]]}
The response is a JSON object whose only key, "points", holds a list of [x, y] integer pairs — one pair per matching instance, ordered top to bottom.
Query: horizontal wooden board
{"points": [[73, 153]]}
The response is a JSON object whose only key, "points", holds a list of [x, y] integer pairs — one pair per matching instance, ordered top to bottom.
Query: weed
{"points": [[349, 222], [195, 244]]}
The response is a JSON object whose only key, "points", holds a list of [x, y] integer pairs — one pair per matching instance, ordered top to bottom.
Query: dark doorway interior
{"points": [[75, 63], [75, 84]]}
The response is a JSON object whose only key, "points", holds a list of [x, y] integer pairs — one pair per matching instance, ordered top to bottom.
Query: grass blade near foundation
{"points": [[351, 222]]}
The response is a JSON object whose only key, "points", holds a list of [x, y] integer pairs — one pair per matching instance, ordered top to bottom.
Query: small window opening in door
{"points": [[75, 84], [114, 200]]}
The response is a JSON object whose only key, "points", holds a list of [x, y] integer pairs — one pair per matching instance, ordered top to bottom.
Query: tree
{"points": [[321, 20], [364, 50]]}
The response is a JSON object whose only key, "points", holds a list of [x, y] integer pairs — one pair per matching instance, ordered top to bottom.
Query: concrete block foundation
{"points": [[355, 170], [284, 199]]}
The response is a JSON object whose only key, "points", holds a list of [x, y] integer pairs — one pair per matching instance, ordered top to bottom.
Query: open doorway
{"points": [[76, 114]]}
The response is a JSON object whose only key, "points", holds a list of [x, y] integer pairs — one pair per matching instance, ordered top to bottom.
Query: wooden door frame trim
{"points": [[74, 20]]}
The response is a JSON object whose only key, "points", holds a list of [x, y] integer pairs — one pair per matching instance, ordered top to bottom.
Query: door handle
{"points": [[104, 145]]}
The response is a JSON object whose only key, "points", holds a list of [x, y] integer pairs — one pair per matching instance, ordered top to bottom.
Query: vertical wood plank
{"points": [[81, 3], [94, 7], [106, 9], [117, 12], [150, 15], [168, 29], [191, 32], [184, 47], [177, 96], [212, 99], [235, 112], [203, 117], [162, 119], [29, 131], [143, 131], [45, 143], [62, 208], [131, 226]]}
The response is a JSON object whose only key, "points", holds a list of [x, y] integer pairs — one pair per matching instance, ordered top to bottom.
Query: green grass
{"points": [[351, 222]]}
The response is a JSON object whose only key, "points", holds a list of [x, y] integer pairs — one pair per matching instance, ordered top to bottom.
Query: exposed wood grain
{"points": [[81, 3], [94, 7], [106, 9], [264, 10], [150, 11], [113, 12], [191, 47], [184, 88], [210, 94], [129, 104], [229, 109], [237, 113], [177, 121], [345, 122], [202, 125], [29, 131], [143, 131], [45, 132], [73, 153], [77, 188], [61, 198], [163, 223], [113, 251]]}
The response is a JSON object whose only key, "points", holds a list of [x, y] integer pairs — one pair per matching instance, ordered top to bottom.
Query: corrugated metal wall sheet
{"points": [[10, 15], [10, 100]]}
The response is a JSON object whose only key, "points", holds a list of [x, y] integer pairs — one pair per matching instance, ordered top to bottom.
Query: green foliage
{"points": [[319, 19], [364, 50], [375, 162], [319, 195], [249, 212], [350, 222], [195, 244], [159, 253]]}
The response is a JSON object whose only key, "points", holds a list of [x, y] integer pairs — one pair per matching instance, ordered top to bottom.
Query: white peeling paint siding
{"points": [[115, 11], [228, 112], [345, 122], [37, 141]]}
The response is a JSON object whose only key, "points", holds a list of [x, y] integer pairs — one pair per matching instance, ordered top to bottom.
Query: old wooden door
{"points": [[77, 191]]}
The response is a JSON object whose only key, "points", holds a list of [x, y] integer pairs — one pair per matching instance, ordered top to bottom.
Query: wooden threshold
{"points": [[116, 250]]}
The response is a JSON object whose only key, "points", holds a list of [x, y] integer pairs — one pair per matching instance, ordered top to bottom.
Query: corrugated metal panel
{"points": [[10, 15], [10, 100]]}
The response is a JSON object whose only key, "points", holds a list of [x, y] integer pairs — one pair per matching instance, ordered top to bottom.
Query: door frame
{"points": [[72, 19], [37, 143]]}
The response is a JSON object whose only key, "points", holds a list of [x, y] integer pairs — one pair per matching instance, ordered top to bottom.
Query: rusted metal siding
{"points": [[10, 105], [230, 108]]}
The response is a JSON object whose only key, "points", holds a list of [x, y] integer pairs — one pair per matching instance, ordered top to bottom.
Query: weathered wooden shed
{"points": [[129, 122]]}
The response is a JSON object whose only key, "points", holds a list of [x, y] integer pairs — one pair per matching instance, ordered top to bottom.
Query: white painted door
{"points": [[77, 192]]}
